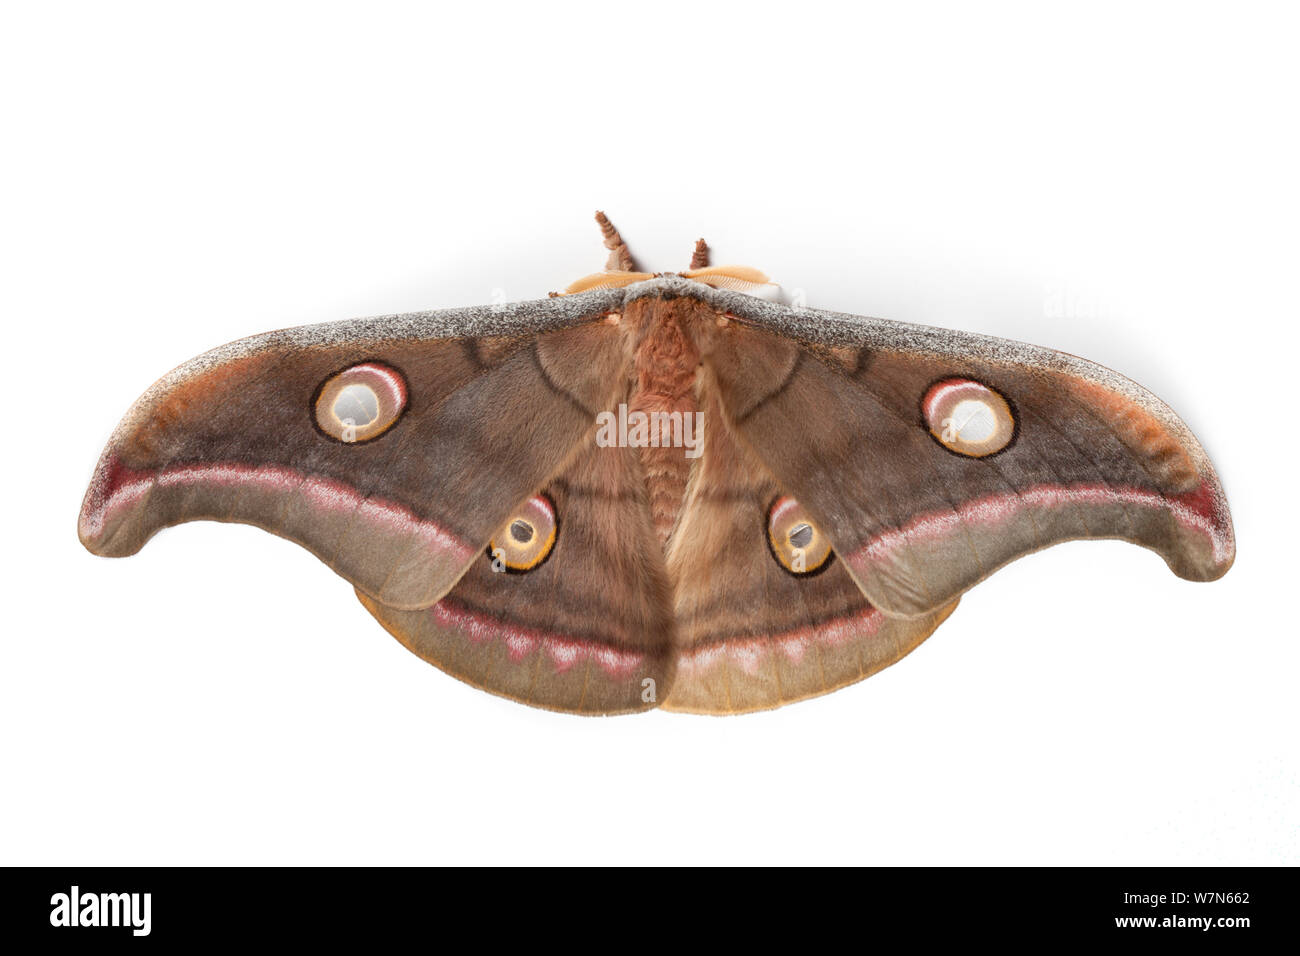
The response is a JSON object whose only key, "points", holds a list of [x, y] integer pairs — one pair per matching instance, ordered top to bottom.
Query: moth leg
{"points": [[620, 258]]}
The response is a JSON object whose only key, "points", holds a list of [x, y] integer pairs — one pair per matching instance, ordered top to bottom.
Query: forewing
{"points": [[496, 403], [834, 407]]}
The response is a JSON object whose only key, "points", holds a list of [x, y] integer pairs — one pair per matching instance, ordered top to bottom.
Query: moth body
{"points": [[667, 368]]}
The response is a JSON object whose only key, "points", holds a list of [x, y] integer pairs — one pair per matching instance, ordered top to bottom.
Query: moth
{"points": [[658, 489]]}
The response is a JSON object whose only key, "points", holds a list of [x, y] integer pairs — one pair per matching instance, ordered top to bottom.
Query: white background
{"points": [[1115, 181]]}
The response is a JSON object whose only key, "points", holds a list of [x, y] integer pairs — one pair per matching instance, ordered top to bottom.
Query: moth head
{"points": [[620, 271], [743, 279]]}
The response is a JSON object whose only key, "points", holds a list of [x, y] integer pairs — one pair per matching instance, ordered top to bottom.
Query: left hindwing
{"points": [[580, 618]]}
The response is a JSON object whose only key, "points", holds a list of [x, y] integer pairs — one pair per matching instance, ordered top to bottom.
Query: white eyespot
{"points": [[356, 402], [361, 402], [967, 417]]}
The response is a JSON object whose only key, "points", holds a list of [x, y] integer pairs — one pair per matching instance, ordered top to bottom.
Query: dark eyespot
{"points": [[361, 402], [967, 417], [800, 535], [527, 537], [798, 544]]}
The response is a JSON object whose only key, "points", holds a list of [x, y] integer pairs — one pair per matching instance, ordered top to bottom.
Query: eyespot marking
{"points": [[357, 402], [360, 403], [968, 418], [527, 537], [797, 543]]}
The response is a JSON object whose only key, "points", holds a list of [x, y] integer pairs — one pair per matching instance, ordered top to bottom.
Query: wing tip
{"points": [[97, 524]]}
